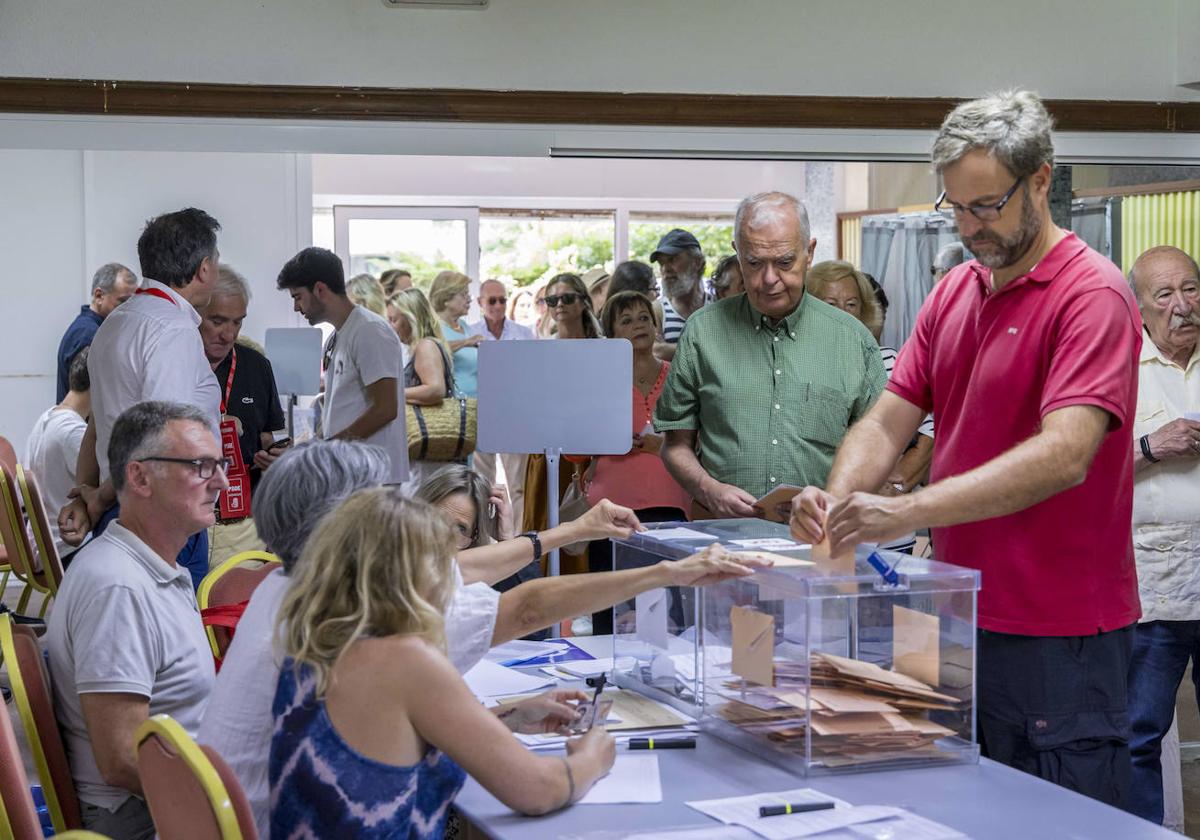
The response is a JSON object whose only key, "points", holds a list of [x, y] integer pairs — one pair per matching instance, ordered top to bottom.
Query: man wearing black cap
{"points": [[681, 264]]}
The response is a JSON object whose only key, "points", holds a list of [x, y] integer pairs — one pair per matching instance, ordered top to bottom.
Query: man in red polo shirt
{"points": [[1027, 355]]}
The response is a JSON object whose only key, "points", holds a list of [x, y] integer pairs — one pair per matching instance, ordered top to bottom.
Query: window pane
{"points": [[715, 234], [423, 246], [524, 248]]}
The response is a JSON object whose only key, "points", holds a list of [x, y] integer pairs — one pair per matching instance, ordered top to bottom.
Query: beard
{"points": [[995, 251], [683, 283]]}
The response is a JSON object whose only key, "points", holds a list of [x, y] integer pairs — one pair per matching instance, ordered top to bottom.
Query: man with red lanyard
{"points": [[150, 349], [1027, 355], [250, 414]]}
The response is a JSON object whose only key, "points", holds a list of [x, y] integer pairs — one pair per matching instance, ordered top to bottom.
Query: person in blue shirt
{"points": [[112, 285]]}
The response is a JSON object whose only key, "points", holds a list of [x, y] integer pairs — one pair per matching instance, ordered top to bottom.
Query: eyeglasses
{"points": [[982, 212], [566, 298], [492, 301], [206, 468]]}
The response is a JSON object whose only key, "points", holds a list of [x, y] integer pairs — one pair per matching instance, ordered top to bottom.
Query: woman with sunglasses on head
{"points": [[375, 731]]}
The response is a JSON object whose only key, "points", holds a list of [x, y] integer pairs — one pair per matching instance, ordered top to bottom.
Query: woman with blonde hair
{"points": [[840, 284], [364, 290], [450, 296], [428, 373], [375, 730]]}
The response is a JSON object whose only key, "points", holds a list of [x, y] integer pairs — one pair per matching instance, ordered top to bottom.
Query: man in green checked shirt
{"points": [[764, 384]]}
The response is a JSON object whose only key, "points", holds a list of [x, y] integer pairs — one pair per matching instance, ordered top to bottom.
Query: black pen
{"points": [[662, 744], [804, 807]]}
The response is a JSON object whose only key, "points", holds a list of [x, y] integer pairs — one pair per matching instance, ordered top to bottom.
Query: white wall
{"points": [[1092, 49], [65, 213]]}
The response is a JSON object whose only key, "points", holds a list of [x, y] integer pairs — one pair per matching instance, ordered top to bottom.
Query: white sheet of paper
{"points": [[677, 534], [771, 544], [652, 609], [519, 649], [587, 667], [487, 679], [633, 778], [743, 811], [905, 824]]}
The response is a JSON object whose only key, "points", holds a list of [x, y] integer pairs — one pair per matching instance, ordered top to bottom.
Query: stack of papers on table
{"points": [[520, 653], [487, 679], [860, 712], [632, 716], [848, 821]]}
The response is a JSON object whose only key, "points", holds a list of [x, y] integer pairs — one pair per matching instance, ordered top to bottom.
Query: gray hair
{"points": [[1012, 126], [764, 207], [1160, 252], [948, 257], [106, 276], [231, 284], [139, 431], [459, 478], [306, 483]]}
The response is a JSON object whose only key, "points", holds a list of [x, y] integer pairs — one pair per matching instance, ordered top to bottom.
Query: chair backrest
{"points": [[8, 455], [39, 522], [12, 528], [232, 583], [31, 690], [185, 792], [237, 796], [18, 817]]}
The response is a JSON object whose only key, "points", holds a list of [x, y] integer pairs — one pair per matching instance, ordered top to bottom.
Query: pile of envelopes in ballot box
{"points": [[859, 713]]}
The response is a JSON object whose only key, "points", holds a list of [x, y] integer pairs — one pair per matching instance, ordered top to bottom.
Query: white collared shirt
{"points": [[511, 331], [149, 349], [1166, 496], [124, 621], [237, 722]]}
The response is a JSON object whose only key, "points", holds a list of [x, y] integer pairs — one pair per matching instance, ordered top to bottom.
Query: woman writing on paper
{"points": [[375, 730]]}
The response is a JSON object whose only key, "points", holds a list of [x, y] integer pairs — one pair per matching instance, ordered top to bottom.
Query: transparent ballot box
{"points": [[656, 646], [826, 666]]}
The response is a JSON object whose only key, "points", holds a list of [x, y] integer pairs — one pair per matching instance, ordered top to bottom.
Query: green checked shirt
{"points": [[770, 405]]}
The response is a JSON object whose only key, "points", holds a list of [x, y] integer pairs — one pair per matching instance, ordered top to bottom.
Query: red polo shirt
{"points": [[990, 366]]}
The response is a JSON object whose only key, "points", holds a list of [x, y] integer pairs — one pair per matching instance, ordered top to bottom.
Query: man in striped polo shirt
{"points": [[681, 264]]}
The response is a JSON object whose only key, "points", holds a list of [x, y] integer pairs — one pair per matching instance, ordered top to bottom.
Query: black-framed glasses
{"points": [[982, 212], [567, 298], [492, 301], [206, 468]]}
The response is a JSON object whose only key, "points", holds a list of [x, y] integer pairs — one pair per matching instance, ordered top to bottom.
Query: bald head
{"points": [[1166, 282]]}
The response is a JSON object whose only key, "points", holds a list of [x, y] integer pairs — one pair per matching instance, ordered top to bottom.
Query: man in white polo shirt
{"points": [[149, 349], [363, 399], [125, 639]]}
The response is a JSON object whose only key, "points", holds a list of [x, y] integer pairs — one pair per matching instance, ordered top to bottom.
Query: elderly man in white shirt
{"points": [[495, 325], [149, 349], [314, 478], [1166, 511], [125, 639]]}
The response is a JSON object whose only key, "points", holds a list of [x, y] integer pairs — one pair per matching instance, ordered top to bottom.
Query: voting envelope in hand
{"points": [[652, 617], [753, 645]]}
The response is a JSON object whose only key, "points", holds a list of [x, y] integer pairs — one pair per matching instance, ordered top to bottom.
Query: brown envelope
{"points": [[842, 564], [915, 644], [753, 645]]}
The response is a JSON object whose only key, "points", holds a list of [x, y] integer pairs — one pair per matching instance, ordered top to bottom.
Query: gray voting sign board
{"points": [[295, 354], [570, 395]]}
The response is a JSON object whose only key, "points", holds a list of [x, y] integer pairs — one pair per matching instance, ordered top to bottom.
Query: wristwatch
{"points": [[537, 544]]}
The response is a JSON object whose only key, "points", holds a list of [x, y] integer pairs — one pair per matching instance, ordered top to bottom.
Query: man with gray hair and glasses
{"points": [[112, 285], [149, 349], [1027, 355], [764, 384], [251, 414], [311, 480], [124, 638]]}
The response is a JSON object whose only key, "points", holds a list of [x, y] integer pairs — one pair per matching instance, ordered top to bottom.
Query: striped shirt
{"points": [[673, 322], [889, 362]]}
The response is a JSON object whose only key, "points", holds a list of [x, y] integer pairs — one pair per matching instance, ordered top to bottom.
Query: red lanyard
{"points": [[158, 293], [229, 379]]}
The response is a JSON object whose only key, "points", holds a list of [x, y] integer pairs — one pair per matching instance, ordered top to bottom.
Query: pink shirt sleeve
{"points": [[1094, 360]]}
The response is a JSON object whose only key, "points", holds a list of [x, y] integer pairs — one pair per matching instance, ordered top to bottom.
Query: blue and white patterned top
{"points": [[320, 787]]}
